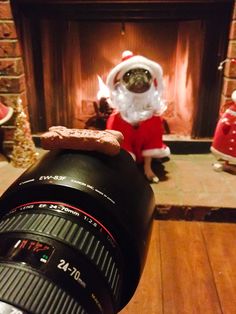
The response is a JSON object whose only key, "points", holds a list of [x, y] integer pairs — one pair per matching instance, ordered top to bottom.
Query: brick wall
{"points": [[12, 77], [229, 80]]}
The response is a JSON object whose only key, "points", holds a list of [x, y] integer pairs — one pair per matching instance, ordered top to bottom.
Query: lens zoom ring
{"points": [[71, 233], [35, 294]]}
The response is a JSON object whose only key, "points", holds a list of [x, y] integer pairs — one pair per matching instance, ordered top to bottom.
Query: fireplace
{"points": [[66, 44]]}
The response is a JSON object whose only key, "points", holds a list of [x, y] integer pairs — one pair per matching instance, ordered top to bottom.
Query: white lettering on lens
{"points": [[56, 178], [24, 182], [94, 189], [28, 206], [53, 206], [90, 221], [63, 265], [71, 271], [75, 273], [97, 302]]}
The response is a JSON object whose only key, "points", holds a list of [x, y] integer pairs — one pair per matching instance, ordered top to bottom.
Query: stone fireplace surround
{"points": [[12, 74]]}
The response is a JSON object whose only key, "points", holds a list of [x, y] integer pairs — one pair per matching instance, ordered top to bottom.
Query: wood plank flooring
{"points": [[8, 174], [190, 269]]}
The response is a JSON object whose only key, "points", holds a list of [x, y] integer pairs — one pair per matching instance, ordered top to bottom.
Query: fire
{"points": [[103, 91]]}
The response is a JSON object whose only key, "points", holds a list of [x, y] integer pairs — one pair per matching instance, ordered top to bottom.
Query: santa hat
{"points": [[130, 61], [5, 113]]}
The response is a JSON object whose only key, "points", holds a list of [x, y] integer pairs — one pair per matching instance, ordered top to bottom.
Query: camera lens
{"points": [[74, 232]]}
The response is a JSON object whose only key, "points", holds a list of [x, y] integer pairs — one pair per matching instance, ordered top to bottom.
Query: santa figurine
{"points": [[135, 86], [224, 140]]}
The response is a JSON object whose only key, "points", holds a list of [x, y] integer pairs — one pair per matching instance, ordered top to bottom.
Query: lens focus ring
{"points": [[71, 233], [34, 293]]}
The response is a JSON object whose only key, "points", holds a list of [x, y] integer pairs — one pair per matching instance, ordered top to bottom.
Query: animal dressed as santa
{"points": [[135, 87], [224, 140]]}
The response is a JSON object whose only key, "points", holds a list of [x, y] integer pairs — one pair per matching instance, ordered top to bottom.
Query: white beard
{"points": [[135, 107]]}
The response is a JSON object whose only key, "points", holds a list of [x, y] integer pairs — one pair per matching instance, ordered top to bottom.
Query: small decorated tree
{"points": [[24, 152]]}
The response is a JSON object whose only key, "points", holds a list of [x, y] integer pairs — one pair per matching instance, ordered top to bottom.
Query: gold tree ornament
{"points": [[24, 152]]}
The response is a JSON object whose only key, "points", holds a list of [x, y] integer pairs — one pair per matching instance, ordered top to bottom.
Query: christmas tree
{"points": [[24, 152]]}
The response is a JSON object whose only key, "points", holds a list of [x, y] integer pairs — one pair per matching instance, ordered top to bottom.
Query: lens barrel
{"points": [[74, 232]]}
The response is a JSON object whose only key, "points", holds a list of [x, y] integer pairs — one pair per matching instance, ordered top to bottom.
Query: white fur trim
{"points": [[127, 54], [134, 62], [233, 96], [231, 112], [156, 152], [133, 156], [222, 156]]}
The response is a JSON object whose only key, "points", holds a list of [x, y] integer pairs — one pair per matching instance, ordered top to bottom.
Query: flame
{"points": [[184, 86], [181, 88], [103, 89]]}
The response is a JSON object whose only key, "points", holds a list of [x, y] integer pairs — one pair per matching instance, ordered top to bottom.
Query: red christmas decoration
{"points": [[5, 113], [224, 140]]}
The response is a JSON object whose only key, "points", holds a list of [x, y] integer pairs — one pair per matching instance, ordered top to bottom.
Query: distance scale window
{"points": [[32, 252]]}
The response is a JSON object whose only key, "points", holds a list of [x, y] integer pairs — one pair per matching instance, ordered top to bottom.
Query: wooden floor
{"points": [[190, 269]]}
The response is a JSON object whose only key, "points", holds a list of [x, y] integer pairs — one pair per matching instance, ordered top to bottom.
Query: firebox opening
{"points": [[74, 53], [63, 57]]}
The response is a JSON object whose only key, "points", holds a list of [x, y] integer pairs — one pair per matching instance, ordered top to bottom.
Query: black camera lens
{"points": [[74, 232]]}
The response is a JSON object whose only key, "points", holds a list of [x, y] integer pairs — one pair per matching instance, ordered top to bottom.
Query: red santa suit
{"points": [[138, 113], [144, 139], [224, 141]]}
